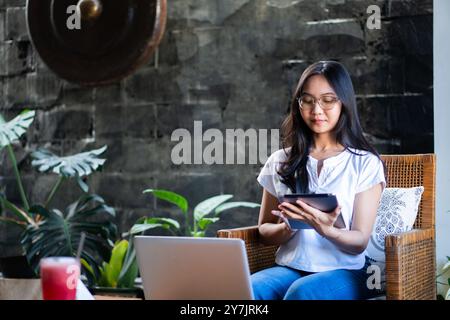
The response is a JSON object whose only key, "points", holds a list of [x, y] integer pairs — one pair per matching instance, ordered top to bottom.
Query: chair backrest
{"points": [[404, 171]]}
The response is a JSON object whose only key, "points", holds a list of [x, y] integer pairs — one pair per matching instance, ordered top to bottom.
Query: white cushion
{"points": [[396, 213]]}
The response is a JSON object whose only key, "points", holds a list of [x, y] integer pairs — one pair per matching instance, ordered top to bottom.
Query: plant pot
{"points": [[16, 267], [117, 292]]}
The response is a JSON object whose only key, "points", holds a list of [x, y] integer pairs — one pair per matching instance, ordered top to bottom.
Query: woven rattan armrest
{"points": [[249, 234], [260, 256], [410, 262], [410, 265]]}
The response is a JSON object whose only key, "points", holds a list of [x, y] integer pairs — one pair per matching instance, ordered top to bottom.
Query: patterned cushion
{"points": [[397, 213]]}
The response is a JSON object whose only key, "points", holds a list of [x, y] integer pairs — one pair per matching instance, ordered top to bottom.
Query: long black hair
{"points": [[297, 135]]}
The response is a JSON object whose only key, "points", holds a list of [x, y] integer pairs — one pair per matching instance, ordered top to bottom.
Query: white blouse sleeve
{"points": [[371, 173], [268, 178]]}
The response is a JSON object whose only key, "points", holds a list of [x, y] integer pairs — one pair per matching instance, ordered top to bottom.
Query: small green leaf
{"points": [[171, 197], [208, 205], [230, 205], [171, 222], [151, 223], [203, 223], [139, 228], [198, 234], [87, 266], [113, 268], [130, 268], [129, 277]]}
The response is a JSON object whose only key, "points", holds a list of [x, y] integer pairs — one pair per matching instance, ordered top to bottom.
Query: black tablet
{"points": [[325, 202]]}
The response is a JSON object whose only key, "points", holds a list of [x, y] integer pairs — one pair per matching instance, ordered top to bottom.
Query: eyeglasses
{"points": [[326, 102]]}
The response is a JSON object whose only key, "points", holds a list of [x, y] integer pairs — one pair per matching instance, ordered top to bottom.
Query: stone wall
{"points": [[231, 64]]}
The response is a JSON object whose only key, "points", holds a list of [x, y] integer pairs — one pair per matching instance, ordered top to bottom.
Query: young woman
{"points": [[324, 151]]}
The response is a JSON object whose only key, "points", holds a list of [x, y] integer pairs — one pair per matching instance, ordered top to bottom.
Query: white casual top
{"points": [[344, 175]]}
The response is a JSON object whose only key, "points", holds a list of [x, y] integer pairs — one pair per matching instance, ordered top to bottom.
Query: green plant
{"points": [[10, 132], [204, 214], [47, 231], [59, 233], [121, 270], [444, 271], [112, 272]]}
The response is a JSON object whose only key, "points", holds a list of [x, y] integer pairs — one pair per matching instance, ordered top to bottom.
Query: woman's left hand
{"points": [[322, 222]]}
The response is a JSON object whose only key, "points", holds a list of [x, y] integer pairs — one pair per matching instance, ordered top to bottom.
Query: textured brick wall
{"points": [[231, 64]]}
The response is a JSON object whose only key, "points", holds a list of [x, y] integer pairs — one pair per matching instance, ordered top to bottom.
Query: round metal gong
{"points": [[100, 42]]}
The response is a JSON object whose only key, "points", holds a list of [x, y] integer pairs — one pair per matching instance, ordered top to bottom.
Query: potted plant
{"points": [[203, 215], [48, 231], [119, 276]]}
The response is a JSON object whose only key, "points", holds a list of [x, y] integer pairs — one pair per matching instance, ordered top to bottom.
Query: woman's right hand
{"points": [[282, 217], [272, 231], [275, 233]]}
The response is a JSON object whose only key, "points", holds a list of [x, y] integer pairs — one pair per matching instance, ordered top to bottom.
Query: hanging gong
{"points": [[93, 42]]}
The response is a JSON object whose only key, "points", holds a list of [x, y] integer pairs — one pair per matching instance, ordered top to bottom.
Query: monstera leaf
{"points": [[14, 129], [78, 165], [58, 234]]}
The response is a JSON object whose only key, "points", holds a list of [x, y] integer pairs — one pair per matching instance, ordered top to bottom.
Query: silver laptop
{"points": [[184, 268]]}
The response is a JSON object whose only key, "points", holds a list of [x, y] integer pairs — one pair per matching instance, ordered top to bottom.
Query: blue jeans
{"points": [[285, 283]]}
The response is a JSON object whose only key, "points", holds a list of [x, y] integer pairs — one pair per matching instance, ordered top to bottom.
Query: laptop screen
{"points": [[186, 268]]}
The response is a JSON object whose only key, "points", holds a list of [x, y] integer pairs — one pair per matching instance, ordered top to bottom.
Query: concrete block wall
{"points": [[231, 65]]}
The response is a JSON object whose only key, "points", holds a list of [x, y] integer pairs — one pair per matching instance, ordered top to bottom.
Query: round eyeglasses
{"points": [[326, 102]]}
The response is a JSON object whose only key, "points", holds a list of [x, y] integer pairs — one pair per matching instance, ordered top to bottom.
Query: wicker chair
{"points": [[410, 256]]}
